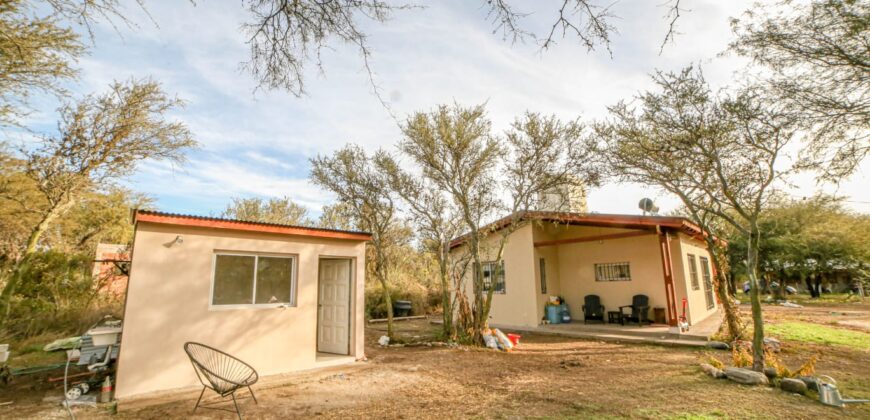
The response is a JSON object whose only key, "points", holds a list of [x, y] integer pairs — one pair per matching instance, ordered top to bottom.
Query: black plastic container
{"points": [[402, 308]]}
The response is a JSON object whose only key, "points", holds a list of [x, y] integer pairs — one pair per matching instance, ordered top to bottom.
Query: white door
{"points": [[333, 306]]}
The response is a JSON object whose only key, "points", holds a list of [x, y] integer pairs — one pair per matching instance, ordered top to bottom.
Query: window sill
{"points": [[250, 306]]}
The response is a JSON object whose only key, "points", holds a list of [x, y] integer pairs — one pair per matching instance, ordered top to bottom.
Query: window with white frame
{"points": [[493, 271], [613, 272], [693, 272], [248, 279]]}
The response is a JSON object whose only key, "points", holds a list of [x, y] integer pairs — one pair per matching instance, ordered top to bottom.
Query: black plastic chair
{"points": [[593, 310], [639, 310], [220, 372]]}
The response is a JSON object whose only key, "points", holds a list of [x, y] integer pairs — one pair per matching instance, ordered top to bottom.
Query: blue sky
{"points": [[257, 143]]}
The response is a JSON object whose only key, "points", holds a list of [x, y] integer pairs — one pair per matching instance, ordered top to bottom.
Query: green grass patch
{"points": [[820, 334]]}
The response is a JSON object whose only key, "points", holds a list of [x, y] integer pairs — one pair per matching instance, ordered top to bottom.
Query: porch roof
{"points": [[625, 221]]}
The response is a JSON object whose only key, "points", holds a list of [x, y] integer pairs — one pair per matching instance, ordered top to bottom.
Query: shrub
{"points": [[57, 293], [740, 356], [714, 361]]}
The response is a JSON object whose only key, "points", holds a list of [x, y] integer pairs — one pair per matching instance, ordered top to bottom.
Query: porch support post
{"points": [[667, 267]]}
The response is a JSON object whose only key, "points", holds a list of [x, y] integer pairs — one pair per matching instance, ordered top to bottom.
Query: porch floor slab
{"points": [[697, 336]]}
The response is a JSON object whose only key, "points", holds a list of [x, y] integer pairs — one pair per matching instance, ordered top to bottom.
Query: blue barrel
{"points": [[554, 314]]}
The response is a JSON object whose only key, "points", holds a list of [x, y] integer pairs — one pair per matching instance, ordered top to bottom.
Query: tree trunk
{"points": [[381, 273], [808, 279], [732, 283], [818, 284], [780, 291], [446, 299], [755, 300], [731, 312]]}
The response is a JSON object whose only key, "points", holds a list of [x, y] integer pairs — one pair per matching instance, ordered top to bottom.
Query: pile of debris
{"points": [[497, 340]]}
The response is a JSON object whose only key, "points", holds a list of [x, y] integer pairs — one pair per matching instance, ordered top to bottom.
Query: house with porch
{"points": [[613, 256]]}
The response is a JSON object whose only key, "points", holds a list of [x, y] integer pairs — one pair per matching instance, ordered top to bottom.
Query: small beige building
{"points": [[613, 256], [282, 298]]}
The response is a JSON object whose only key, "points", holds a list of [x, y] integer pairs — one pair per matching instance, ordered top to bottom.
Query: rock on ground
{"points": [[772, 344], [718, 345], [712, 370], [770, 372], [746, 376], [810, 381], [796, 386]]}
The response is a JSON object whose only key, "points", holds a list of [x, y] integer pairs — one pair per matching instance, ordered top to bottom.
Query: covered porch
{"points": [[614, 263], [697, 336]]}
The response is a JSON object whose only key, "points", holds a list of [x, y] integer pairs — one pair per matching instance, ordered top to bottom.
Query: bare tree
{"points": [[286, 35], [819, 55], [100, 139], [458, 154], [720, 155], [351, 175], [435, 218]]}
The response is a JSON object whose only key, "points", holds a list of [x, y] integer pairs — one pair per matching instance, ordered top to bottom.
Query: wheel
{"points": [[84, 387], [73, 393]]}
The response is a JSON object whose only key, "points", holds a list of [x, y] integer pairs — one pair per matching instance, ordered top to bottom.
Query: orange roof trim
{"points": [[243, 225]]}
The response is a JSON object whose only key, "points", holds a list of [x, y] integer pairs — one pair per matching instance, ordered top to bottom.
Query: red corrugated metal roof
{"points": [[627, 221], [244, 225]]}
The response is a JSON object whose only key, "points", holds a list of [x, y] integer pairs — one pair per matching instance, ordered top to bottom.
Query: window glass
{"points": [[693, 272], [233, 279], [274, 279]]}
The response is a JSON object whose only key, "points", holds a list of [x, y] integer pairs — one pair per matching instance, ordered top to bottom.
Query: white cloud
{"points": [[259, 144]]}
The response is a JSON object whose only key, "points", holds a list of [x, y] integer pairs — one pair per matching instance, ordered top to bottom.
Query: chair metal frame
{"points": [[218, 383]]}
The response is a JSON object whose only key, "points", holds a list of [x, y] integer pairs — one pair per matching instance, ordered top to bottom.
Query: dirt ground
{"points": [[545, 377]]}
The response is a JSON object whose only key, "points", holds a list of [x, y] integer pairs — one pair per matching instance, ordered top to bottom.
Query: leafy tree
{"points": [[35, 56], [820, 62], [100, 139], [457, 153], [721, 154], [351, 175], [274, 210], [101, 215], [337, 216], [808, 239]]}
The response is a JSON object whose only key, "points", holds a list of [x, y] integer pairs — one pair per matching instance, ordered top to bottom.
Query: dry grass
{"points": [[545, 377]]}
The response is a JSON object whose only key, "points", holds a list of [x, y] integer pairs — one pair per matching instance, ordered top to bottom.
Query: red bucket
{"points": [[514, 338]]}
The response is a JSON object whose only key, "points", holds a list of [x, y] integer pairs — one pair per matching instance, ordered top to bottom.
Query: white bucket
{"points": [[4, 355]]}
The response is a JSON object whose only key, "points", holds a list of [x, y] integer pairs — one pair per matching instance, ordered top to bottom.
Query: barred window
{"points": [[493, 271], [612, 272], [708, 282]]}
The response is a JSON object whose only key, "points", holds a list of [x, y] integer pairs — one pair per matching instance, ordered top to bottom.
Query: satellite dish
{"points": [[647, 206]]}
